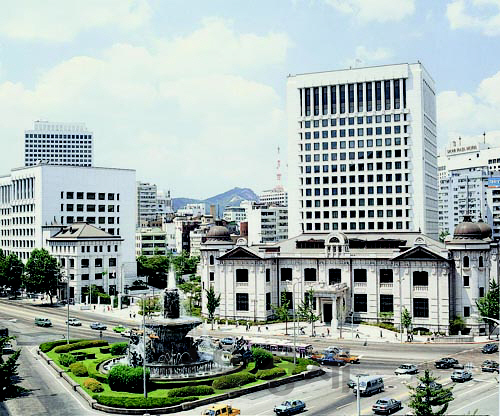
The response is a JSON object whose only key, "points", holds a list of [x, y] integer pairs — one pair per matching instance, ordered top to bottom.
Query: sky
{"points": [[192, 94]]}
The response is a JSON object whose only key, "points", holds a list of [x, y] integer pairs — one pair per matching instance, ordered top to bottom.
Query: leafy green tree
{"points": [[443, 235], [184, 264], [2, 267], [13, 269], [155, 269], [42, 273], [192, 289], [213, 302], [149, 306], [488, 306], [282, 310], [307, 311], [406, 319], [457, 324], [8, 369], [424, 398]]}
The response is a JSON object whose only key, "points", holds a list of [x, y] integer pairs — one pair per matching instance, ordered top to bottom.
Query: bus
{"points": [[280, 347]]}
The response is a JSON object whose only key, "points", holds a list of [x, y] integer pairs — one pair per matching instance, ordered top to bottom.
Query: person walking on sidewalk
{"points": [[357, 333]]}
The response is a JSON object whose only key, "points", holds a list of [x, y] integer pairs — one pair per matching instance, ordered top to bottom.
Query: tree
{"points": [[443, 235], [184, 264], [155, 269], [13, 270], [43, 273], [3, 281], [192, 289], [213, 302], [149, 306], [488, 306], [282, 310], [307, 310], [406, 319], [457, 324], [8, 369], [424, 397]]}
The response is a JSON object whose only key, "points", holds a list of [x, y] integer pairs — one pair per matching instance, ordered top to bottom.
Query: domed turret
{"points": [[468, 229], [485, 229], [218, 232]]}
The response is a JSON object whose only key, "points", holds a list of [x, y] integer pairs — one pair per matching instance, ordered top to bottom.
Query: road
{"points": [[324, 395]]}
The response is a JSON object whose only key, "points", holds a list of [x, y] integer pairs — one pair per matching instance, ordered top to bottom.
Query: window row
{"points": [[352, 120], [360, 131], [352, 144], [351, 167], [91, 195], [90, 208], [398, 225]]}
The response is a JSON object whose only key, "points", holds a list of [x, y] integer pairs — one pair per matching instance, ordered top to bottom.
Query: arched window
{"points": [[211, 259], [466, 261], [481, 262]]}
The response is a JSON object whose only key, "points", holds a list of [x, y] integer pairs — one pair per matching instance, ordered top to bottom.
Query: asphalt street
{"points": [[325, 395]]}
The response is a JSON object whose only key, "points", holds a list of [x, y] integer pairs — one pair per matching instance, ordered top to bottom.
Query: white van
{"points": [[369, 385]]}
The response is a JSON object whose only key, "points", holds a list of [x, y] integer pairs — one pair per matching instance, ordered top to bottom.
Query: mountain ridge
{"points": [[232, 197]]}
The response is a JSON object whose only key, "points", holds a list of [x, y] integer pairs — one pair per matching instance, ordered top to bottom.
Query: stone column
{"points": [[334, 323]]}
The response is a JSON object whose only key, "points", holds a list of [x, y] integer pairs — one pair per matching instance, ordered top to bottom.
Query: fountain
{"points": [[170, 353]]}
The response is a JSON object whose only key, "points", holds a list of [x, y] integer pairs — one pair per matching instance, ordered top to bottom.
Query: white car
{"points": [[74, 322], [406, 369]]}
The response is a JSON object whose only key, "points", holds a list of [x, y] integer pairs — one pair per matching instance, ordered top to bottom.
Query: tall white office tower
{"points": [[58, 144], [362, 150]]}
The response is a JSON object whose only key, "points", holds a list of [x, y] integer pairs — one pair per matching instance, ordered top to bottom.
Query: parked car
{"points": [[43, 322], [74, 322], [98, 326], [119, 329], [126, 333], [227, 341], [8, 348], [489, 349], [333, 350], [347, 358], [330, 359], [448, 363], [489, 366], [406, 369], [461, 376], [352, 382], [386, 406], [290, 407], [220, 409]]}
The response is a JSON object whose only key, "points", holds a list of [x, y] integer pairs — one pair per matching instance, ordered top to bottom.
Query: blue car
{"points": [[331, 360], [289, 407]]}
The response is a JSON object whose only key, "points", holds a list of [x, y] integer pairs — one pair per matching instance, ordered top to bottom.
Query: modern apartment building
{"points": [[58, 144], [362, 150], [465, 171], [37, 196], [276, 196], [151, 203], [235, 214], [266, 224], [151, 241]]}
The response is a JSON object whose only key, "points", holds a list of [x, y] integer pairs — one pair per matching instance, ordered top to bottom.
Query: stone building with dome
{"points": [[368, 276]]}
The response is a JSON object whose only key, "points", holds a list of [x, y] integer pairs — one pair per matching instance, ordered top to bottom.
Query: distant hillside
{"points": [[232, 197]]}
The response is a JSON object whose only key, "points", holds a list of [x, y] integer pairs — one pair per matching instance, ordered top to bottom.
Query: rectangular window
{"points": [[369, 98], [333, 100], [98, 262], [112, 262], [84, 263], [286, 274], [268, 275], [310, 275], [359, 275], [85, 276], [98, 276], [212, 276], [334, 276], [386, 276], [420, 279], [466, 281], [242, 301], [268, 301], [360, 302], [386, 303], [420, 308], [466, 311]]}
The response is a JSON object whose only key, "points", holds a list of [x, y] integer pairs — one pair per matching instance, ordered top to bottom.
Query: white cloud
{"points": [[375, 10], [479, 15], [62, 20], [364, 56], [185, 112], [470, 114]]}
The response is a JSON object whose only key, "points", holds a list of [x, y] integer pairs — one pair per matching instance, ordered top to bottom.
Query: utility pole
{"points": [[144, 343], [358, 397]]}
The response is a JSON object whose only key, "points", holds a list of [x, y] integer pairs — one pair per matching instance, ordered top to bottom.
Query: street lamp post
{"points": [[67, 301], [294, 327], [144, 343], [358, 397]]}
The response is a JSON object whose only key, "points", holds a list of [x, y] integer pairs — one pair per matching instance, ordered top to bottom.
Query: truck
{"points": [[220, 409]]}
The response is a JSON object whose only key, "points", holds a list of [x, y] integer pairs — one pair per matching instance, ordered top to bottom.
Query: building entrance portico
{"points": [[330, 302]]}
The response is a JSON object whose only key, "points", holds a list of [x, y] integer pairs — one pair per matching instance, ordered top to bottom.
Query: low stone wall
{"points": [[454, 339]]}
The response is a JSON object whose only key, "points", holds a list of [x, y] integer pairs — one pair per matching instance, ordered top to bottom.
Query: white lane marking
{"points": [[63, 384], [455, 412]]}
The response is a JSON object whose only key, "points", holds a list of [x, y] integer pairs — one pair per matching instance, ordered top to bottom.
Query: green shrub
{"points": [[79, 345], [48, 346], [119, 348], [104, 350], [79, 355], [90, 356], [66, 359], [263, 359], [276, 359], [301, 364], [79, 369], [94, 373], [270, 374], [125, 378], [233, 380], [93, 385], [191, 391], [141, 402]]}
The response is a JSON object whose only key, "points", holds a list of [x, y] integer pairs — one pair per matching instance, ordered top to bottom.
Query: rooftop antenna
{"points": [[279, 186]]}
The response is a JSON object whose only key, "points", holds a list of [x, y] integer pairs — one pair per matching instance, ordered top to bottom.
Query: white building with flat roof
{"points": [[58, 144], [362, 150], [465, 170], [36, 196], [276, 196], [235, 214], [266, 224]]}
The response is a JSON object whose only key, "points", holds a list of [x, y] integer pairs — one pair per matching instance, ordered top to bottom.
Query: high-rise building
{"points": [[58, 144], [362, 150], [464, 173], [275, 196], [151, 203], [266, 224]]}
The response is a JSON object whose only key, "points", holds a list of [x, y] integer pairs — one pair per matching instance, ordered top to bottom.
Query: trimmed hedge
{"points": [[80, 345], [48, 346], [119, 348], [105, 350], [90, 356], [66, 359], [263, 359], [276, 359], [301, 364], [79, 369], [94, 373], [270, 374], [125, 378], [233, 380], [93, 385], [191, 391], [141, 402]]}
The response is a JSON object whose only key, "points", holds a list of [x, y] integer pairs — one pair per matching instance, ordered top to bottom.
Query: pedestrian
{"points": [[94, 307], [109, 309], [130, 315], [134, 315], [258, 328], [267, 328], [328, 331], [357, 333], [380, 333]]}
